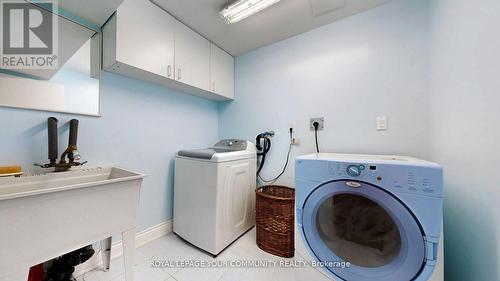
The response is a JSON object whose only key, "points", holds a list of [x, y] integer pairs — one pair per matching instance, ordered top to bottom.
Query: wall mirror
{"points": [[73, 87]]}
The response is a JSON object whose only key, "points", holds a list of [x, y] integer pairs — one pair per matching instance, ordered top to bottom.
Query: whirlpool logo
{"points": [[28, 34]]}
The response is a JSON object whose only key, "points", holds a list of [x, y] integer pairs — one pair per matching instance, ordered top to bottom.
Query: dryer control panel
{"points": [[398, 178]]}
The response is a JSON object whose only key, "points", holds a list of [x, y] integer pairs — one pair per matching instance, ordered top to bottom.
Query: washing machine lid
{"points": [[222, 151], [207, 153], [360, 223]]}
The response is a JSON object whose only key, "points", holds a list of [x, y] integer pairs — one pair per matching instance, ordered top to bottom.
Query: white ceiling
{"points": [[94, 11], [280, 21]]}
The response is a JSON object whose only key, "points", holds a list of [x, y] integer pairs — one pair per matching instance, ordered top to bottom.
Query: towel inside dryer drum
{"points": [[358, 230]]}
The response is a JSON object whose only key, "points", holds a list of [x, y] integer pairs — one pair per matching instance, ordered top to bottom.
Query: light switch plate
{"points": [[381, 123]]}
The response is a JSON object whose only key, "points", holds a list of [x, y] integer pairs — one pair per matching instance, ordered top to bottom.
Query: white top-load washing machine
{"points": [[214, 194], [381, 214]]}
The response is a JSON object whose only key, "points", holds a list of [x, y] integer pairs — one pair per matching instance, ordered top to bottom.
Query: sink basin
{"points": [[34, 184], [44, 216]]}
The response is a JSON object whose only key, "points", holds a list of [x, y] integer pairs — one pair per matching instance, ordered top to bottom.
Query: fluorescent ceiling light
{"points": [[244, 8]]}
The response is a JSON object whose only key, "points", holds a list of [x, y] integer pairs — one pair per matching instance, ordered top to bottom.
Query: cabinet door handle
{"points": [[169, 70], [179, 74], [213, 86]]}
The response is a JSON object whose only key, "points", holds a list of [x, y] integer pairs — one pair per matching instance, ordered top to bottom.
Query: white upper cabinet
{"points": [[145, 36], [144, 42], [192, 57], [221, 72]]}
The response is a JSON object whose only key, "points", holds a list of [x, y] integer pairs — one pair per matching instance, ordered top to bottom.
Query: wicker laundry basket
{"points": [[275, 218]]}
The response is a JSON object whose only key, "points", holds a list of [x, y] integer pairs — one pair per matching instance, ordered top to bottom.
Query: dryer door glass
{"points": [[365, 226], [358, 230]]}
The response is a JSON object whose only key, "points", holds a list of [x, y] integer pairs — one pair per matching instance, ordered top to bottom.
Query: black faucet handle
{"points": [[73, 131], [52, 138], [73, 138]]}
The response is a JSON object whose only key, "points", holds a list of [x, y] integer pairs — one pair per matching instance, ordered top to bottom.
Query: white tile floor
{"points": [[173, 248]]}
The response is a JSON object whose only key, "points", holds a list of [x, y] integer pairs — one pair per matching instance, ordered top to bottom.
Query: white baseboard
{"points": [[141, 238]]}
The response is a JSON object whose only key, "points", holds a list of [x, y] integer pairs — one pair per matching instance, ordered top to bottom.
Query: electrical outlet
{"points": [[320, 120], [293, 139]]}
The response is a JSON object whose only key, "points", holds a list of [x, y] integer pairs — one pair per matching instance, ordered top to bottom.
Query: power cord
{"points": [[316, 127], [286, 162]]}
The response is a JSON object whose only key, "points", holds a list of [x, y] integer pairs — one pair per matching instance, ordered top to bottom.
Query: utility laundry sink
{"points": [[43, 216]]}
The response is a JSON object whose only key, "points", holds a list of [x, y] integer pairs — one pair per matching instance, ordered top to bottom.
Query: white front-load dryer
{"points": [[214, 194], [368, 217]]}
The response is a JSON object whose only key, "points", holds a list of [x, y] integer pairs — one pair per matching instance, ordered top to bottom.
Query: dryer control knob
{"points": [[353, 171]]}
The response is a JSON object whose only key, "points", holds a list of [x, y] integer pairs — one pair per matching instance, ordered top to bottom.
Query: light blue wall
{"points": [[374, 63], [349, 72], [142, 127], [465, 132]]}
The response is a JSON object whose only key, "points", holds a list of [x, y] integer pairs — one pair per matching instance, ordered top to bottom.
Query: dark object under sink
{"points": [[62, 268]]}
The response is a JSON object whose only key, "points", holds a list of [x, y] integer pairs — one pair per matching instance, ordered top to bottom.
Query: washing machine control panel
{"points": [[232, 144]]}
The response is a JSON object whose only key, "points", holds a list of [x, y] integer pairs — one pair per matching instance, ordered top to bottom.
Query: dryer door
{"points": [[364, 225]]}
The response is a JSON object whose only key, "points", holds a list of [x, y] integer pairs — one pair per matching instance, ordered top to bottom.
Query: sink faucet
{"points": [[71, 151]]}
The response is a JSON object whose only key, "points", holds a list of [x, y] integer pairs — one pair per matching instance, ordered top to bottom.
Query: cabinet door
{"points": [[145, 37], [192, 57], [221, 72]]}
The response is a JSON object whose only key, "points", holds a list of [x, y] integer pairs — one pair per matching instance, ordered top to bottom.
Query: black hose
{"points": [[257, 142], [265, 149], [261, 165]]}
